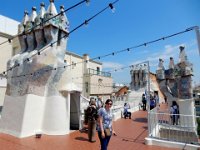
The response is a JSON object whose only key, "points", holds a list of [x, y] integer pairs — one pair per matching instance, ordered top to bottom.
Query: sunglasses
{"points": [[109, 104]]}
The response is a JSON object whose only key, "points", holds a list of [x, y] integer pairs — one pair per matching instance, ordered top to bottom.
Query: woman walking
{"points": [[105, 126]]}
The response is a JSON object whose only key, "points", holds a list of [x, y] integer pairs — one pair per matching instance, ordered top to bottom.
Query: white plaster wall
{"points": [[8, 25], [186, 107], [27, 115], [33, 115], [22, 116], [55, 119]]}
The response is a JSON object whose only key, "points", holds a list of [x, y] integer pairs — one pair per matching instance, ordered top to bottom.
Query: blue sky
{"points": [[134, 22]]}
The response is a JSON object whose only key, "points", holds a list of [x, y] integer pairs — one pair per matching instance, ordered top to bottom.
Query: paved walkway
{"points": [[130, 136]]}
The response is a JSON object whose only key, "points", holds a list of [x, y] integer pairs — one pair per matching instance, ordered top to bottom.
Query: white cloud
{"points": [[169, 51], [112, 65]]}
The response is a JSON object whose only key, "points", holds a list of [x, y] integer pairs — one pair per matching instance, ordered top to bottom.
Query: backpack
{"points": [[143, 99], [175, 110], [92, 113]]}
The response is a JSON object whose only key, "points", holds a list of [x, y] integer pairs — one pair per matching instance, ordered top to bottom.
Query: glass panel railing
{"points": [[100, 73]]}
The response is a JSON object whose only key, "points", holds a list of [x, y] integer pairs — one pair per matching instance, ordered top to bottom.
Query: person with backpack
{"points": [[144, 102], [152, 102], [174, 111], [92, 116]]}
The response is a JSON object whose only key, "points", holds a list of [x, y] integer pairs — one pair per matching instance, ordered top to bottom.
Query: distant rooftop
{"points": [[8, 26]]}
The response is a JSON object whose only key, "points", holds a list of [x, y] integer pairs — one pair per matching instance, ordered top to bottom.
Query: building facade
{"points": [[8, 29], [87, 75], [44, 82], [196, 95]]}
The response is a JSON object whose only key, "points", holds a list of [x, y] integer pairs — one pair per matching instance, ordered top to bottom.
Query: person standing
{"points": [[156, 98], [144, 102], [152, 102], [99, 103], [174, 111], [126, 112], [92, 117], [105, 125]]}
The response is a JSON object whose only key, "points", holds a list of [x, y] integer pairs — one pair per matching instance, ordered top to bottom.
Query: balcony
{"points": [[99, 73]]}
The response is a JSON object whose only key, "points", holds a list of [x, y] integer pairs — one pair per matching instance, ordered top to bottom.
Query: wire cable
{"points": [[73, 6], [51, 44]]}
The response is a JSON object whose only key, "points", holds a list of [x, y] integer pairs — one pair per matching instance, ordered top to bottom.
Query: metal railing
{"points": [[100, 73], [135, 104], [174, 127]]}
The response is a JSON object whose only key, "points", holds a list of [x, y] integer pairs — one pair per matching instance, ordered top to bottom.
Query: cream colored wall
{"points": [[8, 28], [6, 53], [94, 66], [75, 73], [79, 76], [104, 87], [2, 95]]}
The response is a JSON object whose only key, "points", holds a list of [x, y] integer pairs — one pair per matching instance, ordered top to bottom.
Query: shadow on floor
{"points": [[144, 120], [145, 127], [81, 139], [138, 139]]}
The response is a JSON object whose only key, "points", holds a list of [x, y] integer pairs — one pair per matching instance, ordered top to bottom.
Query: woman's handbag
{"points": [[107, 132]]}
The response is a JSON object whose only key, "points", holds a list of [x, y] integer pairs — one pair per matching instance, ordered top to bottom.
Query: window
{"points": [[73, 65], [98, 70], [86, 87], [197, 102], [198, 109]]}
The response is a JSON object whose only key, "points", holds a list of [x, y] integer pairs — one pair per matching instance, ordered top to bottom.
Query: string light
{"points": [[87, 2], [111, 7], [86, 22], [128, 49]]}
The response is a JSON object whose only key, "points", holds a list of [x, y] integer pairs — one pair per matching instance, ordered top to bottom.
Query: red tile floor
{"points": [[130, 136]]}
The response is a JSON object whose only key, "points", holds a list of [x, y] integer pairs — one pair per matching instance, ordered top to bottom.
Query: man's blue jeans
{"points": [[104, 141]]}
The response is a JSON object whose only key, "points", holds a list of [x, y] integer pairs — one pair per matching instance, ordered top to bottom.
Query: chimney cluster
{"points": [[46, 27]]}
